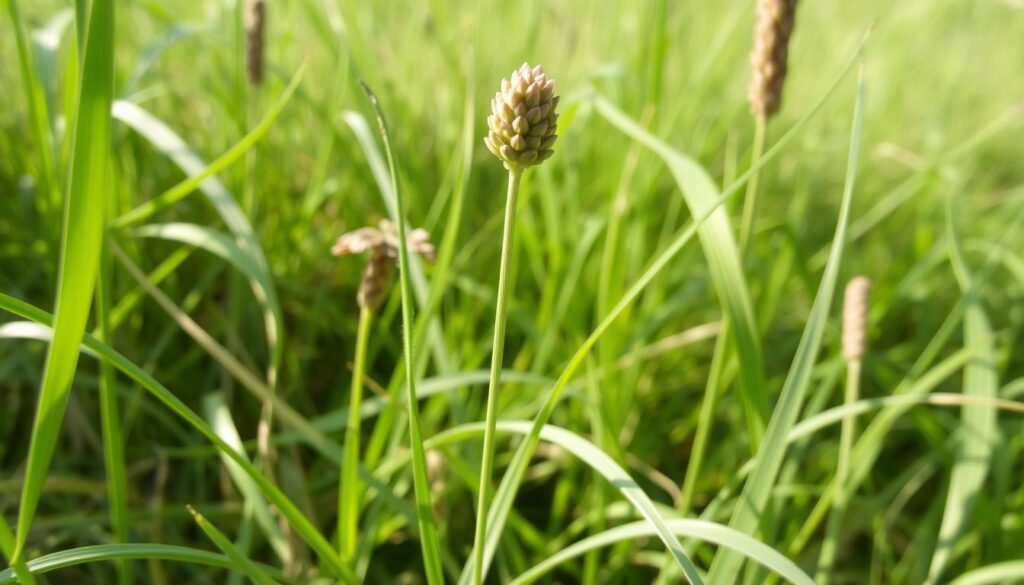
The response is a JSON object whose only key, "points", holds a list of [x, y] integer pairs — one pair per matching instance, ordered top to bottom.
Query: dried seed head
{"points": [[253, 17], [775, 19], [522, 124], [382, 244], [855, 318]]}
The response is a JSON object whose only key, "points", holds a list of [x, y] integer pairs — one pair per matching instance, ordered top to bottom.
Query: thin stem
{"points": [[750, 202], [500, 313], [705, 419], [110, 420], [349, 491], [842, 496]]}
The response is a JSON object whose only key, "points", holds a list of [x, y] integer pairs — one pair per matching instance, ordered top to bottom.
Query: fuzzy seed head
{"points": [[775, 20], [522, 124], [382, 244], [855, 318]]}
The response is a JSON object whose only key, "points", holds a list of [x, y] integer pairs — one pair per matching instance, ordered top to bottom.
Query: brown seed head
{"points": [[253, 17], [775, 19], [521, 127], [382, 244], [855, 318]]}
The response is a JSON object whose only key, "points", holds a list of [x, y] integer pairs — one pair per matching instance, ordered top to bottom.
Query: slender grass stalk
{"points": [[515, 175], [750, 202], [110, 420], [349, 489], [424, 508], [238, 559]]}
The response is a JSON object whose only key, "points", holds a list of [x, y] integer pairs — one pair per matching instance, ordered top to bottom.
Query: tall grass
{"points": [[670, 404]]}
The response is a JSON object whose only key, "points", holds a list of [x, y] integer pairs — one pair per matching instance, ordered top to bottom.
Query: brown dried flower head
{"points": [[253, 19], [775, 19], [521, 127], [382, 244], [855, 318]]}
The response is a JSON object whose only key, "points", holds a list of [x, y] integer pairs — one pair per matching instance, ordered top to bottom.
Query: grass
{"points": [[205, 210]]}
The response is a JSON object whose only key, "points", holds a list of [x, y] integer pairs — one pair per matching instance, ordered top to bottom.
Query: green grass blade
{"points": [[38, 112], [357, 123], [163, 138], [80, 253], [722, 253], [219, 416], [110, 421], [979, 432], [618, 477], [758, 489], [424, 507], [304, 528], [696, 529], [132, 551], [238, 560], [19, 569], [995, 574]]}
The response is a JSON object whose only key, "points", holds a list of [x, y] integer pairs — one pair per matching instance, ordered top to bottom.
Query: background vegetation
{"points": [[935, 217]]}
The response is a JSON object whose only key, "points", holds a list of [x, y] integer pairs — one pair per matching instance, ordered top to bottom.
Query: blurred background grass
{"points": [[945, 83]]}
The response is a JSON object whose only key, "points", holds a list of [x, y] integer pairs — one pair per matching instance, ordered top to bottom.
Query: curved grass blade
{"points": [[199, 174], [716, 237], [80, 253], [217, 412], [979, 430], [505, 495], [754, 498], [424, 507], [304, 528], [696, 529], [132, 551], [238, 561], [19, 568], [998, 573]]}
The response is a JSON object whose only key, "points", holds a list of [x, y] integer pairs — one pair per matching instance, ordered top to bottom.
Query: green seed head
{"points": [[521, 127]]}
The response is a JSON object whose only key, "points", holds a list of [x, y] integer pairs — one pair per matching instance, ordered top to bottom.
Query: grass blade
{"points": [[164, 139], [716, 237], [80, 253], [217, 412], [979, 431], [758, 489], [424, 508], [695, 529], [114, 552], [238, 560]]}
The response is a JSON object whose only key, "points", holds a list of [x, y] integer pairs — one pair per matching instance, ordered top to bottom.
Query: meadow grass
{"points": [[672, 402]]}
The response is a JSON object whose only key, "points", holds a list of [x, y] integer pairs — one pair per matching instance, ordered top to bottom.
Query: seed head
{"points": [[253, 17], [775, 19], [521, 127], [382, 244], [855, 318]]}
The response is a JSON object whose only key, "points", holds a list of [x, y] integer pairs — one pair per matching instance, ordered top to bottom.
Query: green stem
{"points": [[750, 202], [500, 313], [110, 419], [705, 419], [349, 490], [835, 521], [21, 570]]}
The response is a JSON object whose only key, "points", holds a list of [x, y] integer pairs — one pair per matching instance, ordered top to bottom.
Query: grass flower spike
{"points": [[775, 19], [523, 118], [521, 132], [383, 245]]}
